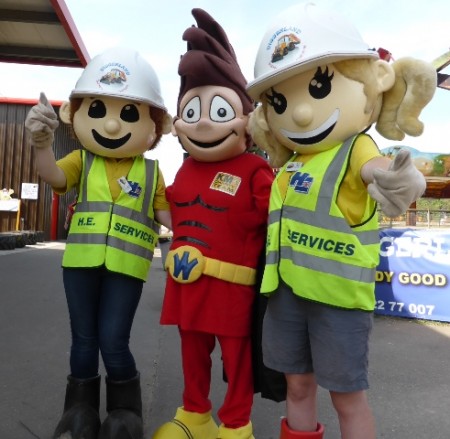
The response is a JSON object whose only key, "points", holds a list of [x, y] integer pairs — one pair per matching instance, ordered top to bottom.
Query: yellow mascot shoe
{"points": [[188, 425], [245, 432]]}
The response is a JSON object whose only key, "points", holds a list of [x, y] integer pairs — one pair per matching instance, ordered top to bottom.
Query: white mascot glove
{"points": [[41, 123], [399, 186]]}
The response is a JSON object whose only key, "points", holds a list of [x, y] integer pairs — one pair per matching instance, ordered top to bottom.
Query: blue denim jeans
{"points": [[102, 306]]}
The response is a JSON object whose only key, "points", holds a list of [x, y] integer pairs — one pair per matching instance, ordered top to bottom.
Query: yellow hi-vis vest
{"points": [[120, 235], [310, 245]]}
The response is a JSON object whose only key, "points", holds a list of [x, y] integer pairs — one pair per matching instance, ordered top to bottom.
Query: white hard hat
{"points": [[302, 38], [121, 73]]}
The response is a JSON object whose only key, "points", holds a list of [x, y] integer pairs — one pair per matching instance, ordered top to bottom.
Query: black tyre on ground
{"points": [[7, 241]]}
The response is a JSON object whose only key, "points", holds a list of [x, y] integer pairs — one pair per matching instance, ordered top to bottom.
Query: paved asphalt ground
{"points": [[409, 361]]}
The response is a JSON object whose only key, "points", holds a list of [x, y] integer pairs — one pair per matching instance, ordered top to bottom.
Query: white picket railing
{"points": [[421, 218]]}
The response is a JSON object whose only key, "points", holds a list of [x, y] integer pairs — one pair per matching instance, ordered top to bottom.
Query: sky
{"points": [[154, 28]]}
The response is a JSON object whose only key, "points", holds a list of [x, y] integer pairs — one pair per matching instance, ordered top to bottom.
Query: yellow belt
{"points": [[186, 264]]}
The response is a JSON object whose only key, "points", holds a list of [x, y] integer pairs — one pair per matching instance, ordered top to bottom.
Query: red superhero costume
{"points": [[219, 208], [226, 221], [223, 225]]}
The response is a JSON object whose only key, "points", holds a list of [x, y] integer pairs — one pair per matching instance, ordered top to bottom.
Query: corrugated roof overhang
{"points": [[40, 32]]}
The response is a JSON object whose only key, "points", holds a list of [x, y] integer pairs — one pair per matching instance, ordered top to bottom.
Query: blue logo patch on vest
{"points": [[301, 182], [135, 189]]}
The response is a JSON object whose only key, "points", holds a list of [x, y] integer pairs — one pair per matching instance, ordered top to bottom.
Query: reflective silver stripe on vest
{"points": [[88, 161], [327, 190], [93, 206], [134, 215], [274, 216], [322, 218], [87, 238], [111, 241], [129, 247], [272, 257], [350, 272]]}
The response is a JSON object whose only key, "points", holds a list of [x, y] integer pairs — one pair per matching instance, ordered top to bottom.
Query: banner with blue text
{"points": [[412, 278]]}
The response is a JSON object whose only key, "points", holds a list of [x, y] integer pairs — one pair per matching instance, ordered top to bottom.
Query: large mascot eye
{"points": [[320, 85], [277, 100], [97, 109], [192, 110], [221, 110], [129, 113]]}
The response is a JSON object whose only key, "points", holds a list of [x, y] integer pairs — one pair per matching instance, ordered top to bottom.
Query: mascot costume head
{"points": [[319, 58], [213, 105], [116, 108]]}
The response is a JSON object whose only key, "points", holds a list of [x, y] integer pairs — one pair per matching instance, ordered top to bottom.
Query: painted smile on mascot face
{"points": [[316, 135], [110, 143], [211, 144]]}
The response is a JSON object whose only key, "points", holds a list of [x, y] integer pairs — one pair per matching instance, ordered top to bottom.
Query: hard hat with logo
{"points": [[301, 38], [121, 73]]}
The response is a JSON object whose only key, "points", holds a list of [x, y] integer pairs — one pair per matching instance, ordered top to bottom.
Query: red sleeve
{"points": [[261, 185], [169, 192]]}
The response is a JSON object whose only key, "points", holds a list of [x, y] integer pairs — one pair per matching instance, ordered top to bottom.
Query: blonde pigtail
{"points": [[415, 85]]}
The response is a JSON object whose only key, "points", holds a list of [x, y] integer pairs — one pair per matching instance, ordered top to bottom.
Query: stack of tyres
{"points": [[19, 239], [7, 241]]}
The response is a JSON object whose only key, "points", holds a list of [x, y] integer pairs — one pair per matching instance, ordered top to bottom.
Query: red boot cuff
{"points": [[287, 433]]}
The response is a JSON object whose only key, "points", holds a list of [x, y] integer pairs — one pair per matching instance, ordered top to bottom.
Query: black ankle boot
{"points": [[81, 405], [124, 407]]}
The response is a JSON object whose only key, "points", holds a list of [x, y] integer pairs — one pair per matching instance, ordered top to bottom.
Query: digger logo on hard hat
{"points": [[286, 46], [114, 75]]}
